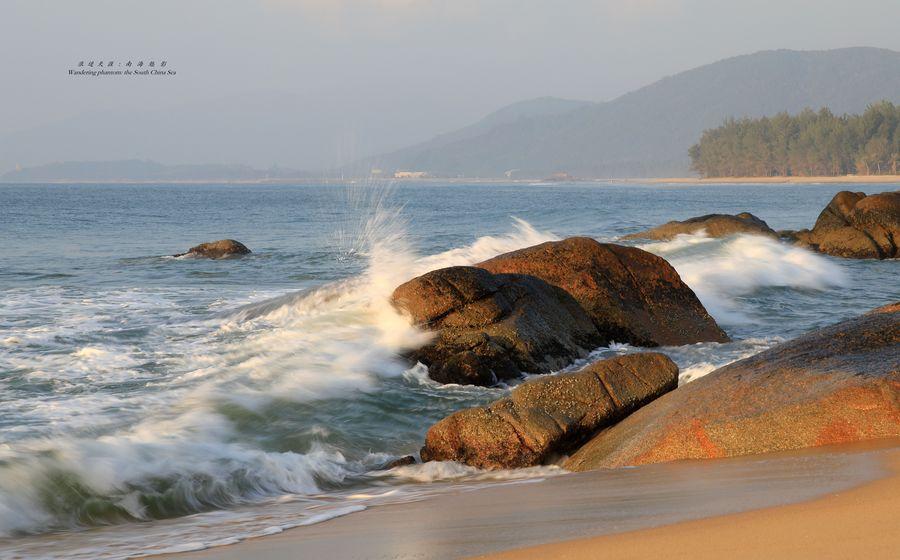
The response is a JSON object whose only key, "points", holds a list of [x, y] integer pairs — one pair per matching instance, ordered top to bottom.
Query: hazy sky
{"points": [[385, 72]]}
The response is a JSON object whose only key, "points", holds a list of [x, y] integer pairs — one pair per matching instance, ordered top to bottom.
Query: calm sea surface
{"points": [[184, 403]]}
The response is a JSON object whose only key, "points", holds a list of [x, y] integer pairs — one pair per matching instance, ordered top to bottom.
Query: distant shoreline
{"points": [[861, 179], [776, 180]]}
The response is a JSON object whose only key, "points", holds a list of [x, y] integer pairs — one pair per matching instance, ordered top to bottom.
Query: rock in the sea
{"points": [[715, 225], [857, 226], [220, 249], [632, 296], [490, 327], [836, 384], [548, 416], [404, 461]]}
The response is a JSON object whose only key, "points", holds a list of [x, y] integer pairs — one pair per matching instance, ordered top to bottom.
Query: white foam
{"points": [[727, 269], [328, 342], [694, 372]]}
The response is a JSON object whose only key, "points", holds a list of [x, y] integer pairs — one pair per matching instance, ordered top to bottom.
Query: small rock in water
{"points": [[715, 225], [221, 249], [401, 462]]}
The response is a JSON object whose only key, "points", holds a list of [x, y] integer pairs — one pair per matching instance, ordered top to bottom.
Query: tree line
{"points": [[808, 144]]}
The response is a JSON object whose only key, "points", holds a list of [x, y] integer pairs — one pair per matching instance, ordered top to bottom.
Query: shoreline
{"points": [[861, 179], [517, 519], [860, 522]]}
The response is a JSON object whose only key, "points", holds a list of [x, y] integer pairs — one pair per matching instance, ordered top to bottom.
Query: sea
{"points": [[151, 403]]}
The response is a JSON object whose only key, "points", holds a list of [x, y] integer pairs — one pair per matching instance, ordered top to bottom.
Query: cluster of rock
{"points": [[853, 225], [857, 226], [538, 309], [837, 384]]}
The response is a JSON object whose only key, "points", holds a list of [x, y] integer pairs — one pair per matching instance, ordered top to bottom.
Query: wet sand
{"points": [[660, 500], [859, 523]]}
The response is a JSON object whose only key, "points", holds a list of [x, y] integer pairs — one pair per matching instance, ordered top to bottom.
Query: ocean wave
{"points": [[722, 271], [262, 395], [178, 446]]}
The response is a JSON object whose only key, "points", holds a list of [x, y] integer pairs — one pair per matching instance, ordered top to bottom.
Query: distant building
{"points": [[376, 172], [410, 174]]}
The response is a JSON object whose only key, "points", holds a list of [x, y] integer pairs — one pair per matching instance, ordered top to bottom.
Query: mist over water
{"points": [[138, 387]]}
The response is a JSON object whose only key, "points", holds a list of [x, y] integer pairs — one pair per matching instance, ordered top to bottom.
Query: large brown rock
{"points": [[715, 225], [854, 225], [223, 248], [632, 296], [490, 327], [836, 384], [548, 416]]}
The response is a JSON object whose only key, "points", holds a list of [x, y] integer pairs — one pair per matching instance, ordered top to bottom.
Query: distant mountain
{"points": [[304, 129], [647, 132], [141, 170]]}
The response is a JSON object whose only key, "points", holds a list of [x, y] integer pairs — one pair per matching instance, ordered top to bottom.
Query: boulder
{"points": [[715, 225], [854, 225], [221, 249], [631, 295], [490, 327], [836, 384], [551, 415]]}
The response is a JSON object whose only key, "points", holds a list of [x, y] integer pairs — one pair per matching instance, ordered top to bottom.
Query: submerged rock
{"points": [[715, 225], [857, 226], [220, 249], [631, 295], [490, 327], [836, 384], [551, 415]]}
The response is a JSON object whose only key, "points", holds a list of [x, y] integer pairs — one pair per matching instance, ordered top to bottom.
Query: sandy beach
{"points": [[820, 503], [857, 523]]}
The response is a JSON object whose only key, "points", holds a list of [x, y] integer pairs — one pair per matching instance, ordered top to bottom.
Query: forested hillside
{"points": [[647, 132], [807, 144]]}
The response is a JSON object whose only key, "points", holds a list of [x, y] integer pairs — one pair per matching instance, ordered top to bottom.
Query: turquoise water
{"points": [[266, 391]]}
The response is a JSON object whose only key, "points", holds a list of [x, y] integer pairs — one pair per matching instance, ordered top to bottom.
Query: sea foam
{"points": [[722, 271]]}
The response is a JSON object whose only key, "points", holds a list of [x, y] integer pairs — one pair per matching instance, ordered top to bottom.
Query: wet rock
{"points": [[715, 225], [855, 225], [221, 249], [631, 295], [490, 327], [836, 384], [547, 416], [401, 462]]}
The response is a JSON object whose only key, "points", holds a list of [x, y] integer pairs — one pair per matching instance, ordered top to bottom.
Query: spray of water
{"points": [[723, 271], [182, 449]]}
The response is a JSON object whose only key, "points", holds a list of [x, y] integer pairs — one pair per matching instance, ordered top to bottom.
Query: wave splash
{"points": [[723, 272], [245, 410], [199, 442]]}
